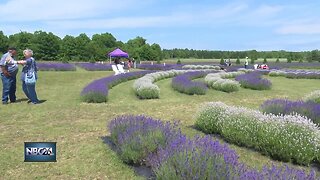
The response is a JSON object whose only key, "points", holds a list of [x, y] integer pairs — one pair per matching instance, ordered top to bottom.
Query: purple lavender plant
{"points": [[95, 66], [159, 66], [56, 67], [303, 75], [254, 81], [184, 84], [97, 91], [284, 106], [138, 136], [171, 155], [200, 158], [204, 158]]}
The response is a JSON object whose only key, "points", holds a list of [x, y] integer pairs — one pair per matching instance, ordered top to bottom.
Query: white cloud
{"points": [[35, 10], [205, 17], [300, 29]]}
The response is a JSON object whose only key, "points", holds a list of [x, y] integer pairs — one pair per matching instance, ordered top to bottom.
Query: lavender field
{"points": [[90, 130]]}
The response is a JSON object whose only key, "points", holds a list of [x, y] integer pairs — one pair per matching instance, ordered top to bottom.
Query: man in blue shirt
{"points": [[8, 72]]}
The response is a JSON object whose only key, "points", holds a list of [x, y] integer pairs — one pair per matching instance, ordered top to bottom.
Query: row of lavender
{"points": [[95, 66], [56, 67], [72, 67], [99, 67], [296, 74], [254, 80], [221, 82], [184, 84], [145, 88], [97, 91], [309, 106], [286, 138], [171, 155]]}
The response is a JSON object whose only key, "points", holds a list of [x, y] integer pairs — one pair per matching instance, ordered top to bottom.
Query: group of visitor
{"points": [[9, 70]]}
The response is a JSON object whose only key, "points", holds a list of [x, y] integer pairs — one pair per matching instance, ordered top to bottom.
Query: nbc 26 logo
{"points": [[40, 152]]}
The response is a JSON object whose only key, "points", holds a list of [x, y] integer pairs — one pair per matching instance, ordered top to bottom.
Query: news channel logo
{"points": [[40, 152]]}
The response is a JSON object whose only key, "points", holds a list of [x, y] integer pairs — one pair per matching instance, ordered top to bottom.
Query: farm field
{"points": [[80, 128]]}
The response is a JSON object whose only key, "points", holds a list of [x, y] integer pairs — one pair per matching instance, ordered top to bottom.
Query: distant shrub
{"points": [[179, 61], [222, 61], [238, 61], [265, 61], [277, 61]]}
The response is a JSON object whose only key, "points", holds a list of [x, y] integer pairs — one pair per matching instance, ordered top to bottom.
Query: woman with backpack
{"points": [[29, 76]]}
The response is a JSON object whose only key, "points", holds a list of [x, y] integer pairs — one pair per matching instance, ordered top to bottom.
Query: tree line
{"points": [[48, 46], [309, 56]]}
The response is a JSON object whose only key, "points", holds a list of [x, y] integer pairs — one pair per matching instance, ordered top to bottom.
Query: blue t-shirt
{"points": [[8, 63], [29, 67]]}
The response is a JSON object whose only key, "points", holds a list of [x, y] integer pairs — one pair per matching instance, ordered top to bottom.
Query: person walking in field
{"points": [[246, 63], [8, 71], [29, 71]]}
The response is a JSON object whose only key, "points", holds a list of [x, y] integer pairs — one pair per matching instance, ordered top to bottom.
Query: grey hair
{"points": [[28, 51]]}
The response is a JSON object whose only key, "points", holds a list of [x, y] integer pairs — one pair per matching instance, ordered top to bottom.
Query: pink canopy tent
{"points": [[118, 53]]}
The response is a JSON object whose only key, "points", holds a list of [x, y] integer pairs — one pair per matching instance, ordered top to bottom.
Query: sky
{"points": [[205, 25]]}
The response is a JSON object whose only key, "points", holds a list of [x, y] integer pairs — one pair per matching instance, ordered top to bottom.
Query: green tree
{"points": [[21, 41], [4, 43], [81, 43], [105, 43], [46, 46], [134, 47], [68, 48], [92, 50], [157, 51], [147, 53], [253, 54], [315, 56], [238, 60], [222, 61], [265, 61], [277, 61]]}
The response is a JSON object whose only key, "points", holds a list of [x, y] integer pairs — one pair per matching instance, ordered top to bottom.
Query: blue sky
{"points": [[213, 25]]}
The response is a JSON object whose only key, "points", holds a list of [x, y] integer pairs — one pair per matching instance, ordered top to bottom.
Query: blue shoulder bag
{"points": [[30, 76]]}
